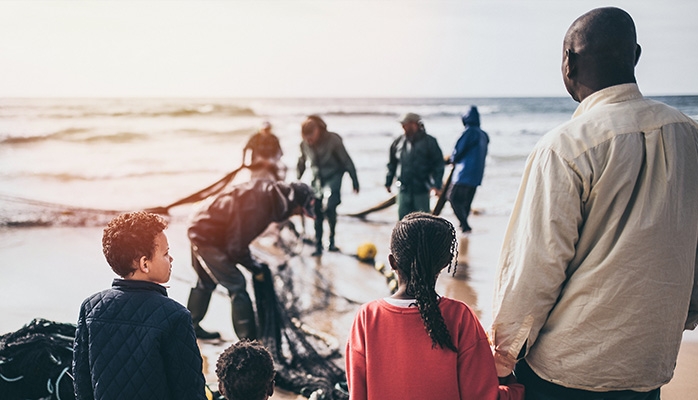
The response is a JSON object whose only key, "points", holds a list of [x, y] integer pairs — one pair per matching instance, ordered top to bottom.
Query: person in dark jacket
{"points": [[265, 153], [468, 159], [329, 161], [421, 166], [221, 232], [132, 341]]}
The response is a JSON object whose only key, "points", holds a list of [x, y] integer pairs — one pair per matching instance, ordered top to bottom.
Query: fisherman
{"points": [[265, 153], [468, 159], [329, 161], [421, 166], [221, 232]]}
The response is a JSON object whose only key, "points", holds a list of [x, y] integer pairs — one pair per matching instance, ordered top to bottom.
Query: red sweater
{"points": [[389, 355]]}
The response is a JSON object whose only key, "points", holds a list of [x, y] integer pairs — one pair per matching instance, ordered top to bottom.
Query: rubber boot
{"points": [[319, 220], [332, 222], [197, 306], [243, 316]]}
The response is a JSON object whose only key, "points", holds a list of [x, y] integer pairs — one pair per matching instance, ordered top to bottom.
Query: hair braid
{"points": [[423, 245]]}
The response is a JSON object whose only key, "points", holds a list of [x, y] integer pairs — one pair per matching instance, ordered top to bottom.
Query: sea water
{"points": [[134, 153]]}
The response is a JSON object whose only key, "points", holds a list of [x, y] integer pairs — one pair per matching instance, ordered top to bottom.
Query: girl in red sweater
{"points": [[416, 344]]}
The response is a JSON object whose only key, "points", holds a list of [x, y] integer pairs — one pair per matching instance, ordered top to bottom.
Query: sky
{"points": [[328, 48]]}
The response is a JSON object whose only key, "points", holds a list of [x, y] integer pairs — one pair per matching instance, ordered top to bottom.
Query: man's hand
{"points": [[388, 189], [258, 271]]}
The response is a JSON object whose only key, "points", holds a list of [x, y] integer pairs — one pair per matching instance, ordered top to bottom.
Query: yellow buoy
{"points": [[366, 251]]}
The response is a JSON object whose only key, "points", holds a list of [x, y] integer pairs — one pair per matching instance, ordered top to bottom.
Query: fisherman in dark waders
{"points": [[329, 161], [221, 232]]}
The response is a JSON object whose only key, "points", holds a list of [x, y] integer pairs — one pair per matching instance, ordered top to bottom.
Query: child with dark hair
{"points": [[132, 341], [416, 344], [245, 371]]}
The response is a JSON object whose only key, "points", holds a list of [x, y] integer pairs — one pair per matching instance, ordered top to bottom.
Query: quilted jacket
{"points": [[134, 342]]}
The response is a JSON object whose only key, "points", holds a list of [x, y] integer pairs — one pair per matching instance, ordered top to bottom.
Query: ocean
{"points": [[135, 153]]}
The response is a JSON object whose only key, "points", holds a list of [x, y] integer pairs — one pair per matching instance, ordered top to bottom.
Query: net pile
{"points": [[35, 362]]}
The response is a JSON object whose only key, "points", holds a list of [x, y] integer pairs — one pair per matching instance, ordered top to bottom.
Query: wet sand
{"points": [[47, 272]]}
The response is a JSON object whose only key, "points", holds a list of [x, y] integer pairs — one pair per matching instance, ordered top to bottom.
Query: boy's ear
{"points": [[143, 264], [270, 392]]}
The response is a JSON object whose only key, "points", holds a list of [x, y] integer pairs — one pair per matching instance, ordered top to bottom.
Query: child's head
{"points": [[422, 245], [136, 247], [245, 371]]}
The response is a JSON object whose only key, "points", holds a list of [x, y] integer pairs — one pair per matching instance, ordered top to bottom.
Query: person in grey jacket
{"points": [[329, 161], [417, 162], [132, 341]]}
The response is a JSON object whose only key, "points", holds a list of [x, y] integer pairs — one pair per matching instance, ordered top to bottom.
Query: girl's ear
{"points": [[392, 262]]}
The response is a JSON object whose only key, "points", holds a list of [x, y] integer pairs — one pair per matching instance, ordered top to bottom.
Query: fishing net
{"points": [[22, 212], [35, 361]]}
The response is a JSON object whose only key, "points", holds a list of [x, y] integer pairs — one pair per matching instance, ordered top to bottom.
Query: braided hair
{"points": [[422, 245]]}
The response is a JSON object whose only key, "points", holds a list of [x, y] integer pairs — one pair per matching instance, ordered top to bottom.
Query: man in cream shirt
{"points": [[597, 276]]}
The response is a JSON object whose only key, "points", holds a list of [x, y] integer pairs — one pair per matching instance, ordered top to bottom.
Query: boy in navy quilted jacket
{"points": [[132, 341]]}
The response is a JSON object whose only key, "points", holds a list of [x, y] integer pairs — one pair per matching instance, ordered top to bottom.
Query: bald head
{"points": [[600, 50]]}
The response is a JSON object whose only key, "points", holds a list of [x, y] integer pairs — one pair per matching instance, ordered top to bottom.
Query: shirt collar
{"points": [[609, 95], [131, 284]]}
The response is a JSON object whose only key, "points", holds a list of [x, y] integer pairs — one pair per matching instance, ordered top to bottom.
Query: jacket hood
{"points": [[472, 117]]}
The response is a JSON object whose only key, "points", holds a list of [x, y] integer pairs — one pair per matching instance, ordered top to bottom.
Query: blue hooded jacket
{"points": [[470, 152]]}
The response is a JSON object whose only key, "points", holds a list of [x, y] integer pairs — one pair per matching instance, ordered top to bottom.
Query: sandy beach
{"points": [[47, 272]]}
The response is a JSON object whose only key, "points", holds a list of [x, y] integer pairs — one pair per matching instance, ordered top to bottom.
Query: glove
{"points": [[258, 271]]}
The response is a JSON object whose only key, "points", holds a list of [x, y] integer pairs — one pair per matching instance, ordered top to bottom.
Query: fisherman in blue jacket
{"points": [[468, 159]]}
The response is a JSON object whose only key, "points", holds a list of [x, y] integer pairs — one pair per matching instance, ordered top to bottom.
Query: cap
{"points": [[410, 117], [266, 125], [303, 196]]}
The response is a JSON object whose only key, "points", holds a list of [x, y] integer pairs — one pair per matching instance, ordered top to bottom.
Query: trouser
{"points": [[461, 198], [408, 202], [328, 211], [214, 267], [540, 389]]}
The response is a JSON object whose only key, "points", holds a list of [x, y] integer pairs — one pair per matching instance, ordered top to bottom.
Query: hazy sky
{"points": [[336, 48]]}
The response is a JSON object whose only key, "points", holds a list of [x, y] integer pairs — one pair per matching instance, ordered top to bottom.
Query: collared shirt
{"points": [[597, 275]]}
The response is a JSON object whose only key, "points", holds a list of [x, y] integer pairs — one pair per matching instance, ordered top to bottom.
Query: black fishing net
{"points": [[35, 362], [300, 366]]}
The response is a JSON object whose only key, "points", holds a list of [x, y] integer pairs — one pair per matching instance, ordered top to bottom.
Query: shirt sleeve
{"points": [[345, 160], [438, 165], [392, 166], [300, 167], [538, 245], [692, 319], [182, 360], [356, 361], [477, 375], [82, 380]]}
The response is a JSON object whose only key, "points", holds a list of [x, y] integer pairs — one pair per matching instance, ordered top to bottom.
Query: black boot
{"points": [[332, 222], [197, 306], [243, 316]]}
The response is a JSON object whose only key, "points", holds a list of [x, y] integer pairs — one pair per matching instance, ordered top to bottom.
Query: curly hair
{"points": [[129, 237], [423, 245], [245, 371]]}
